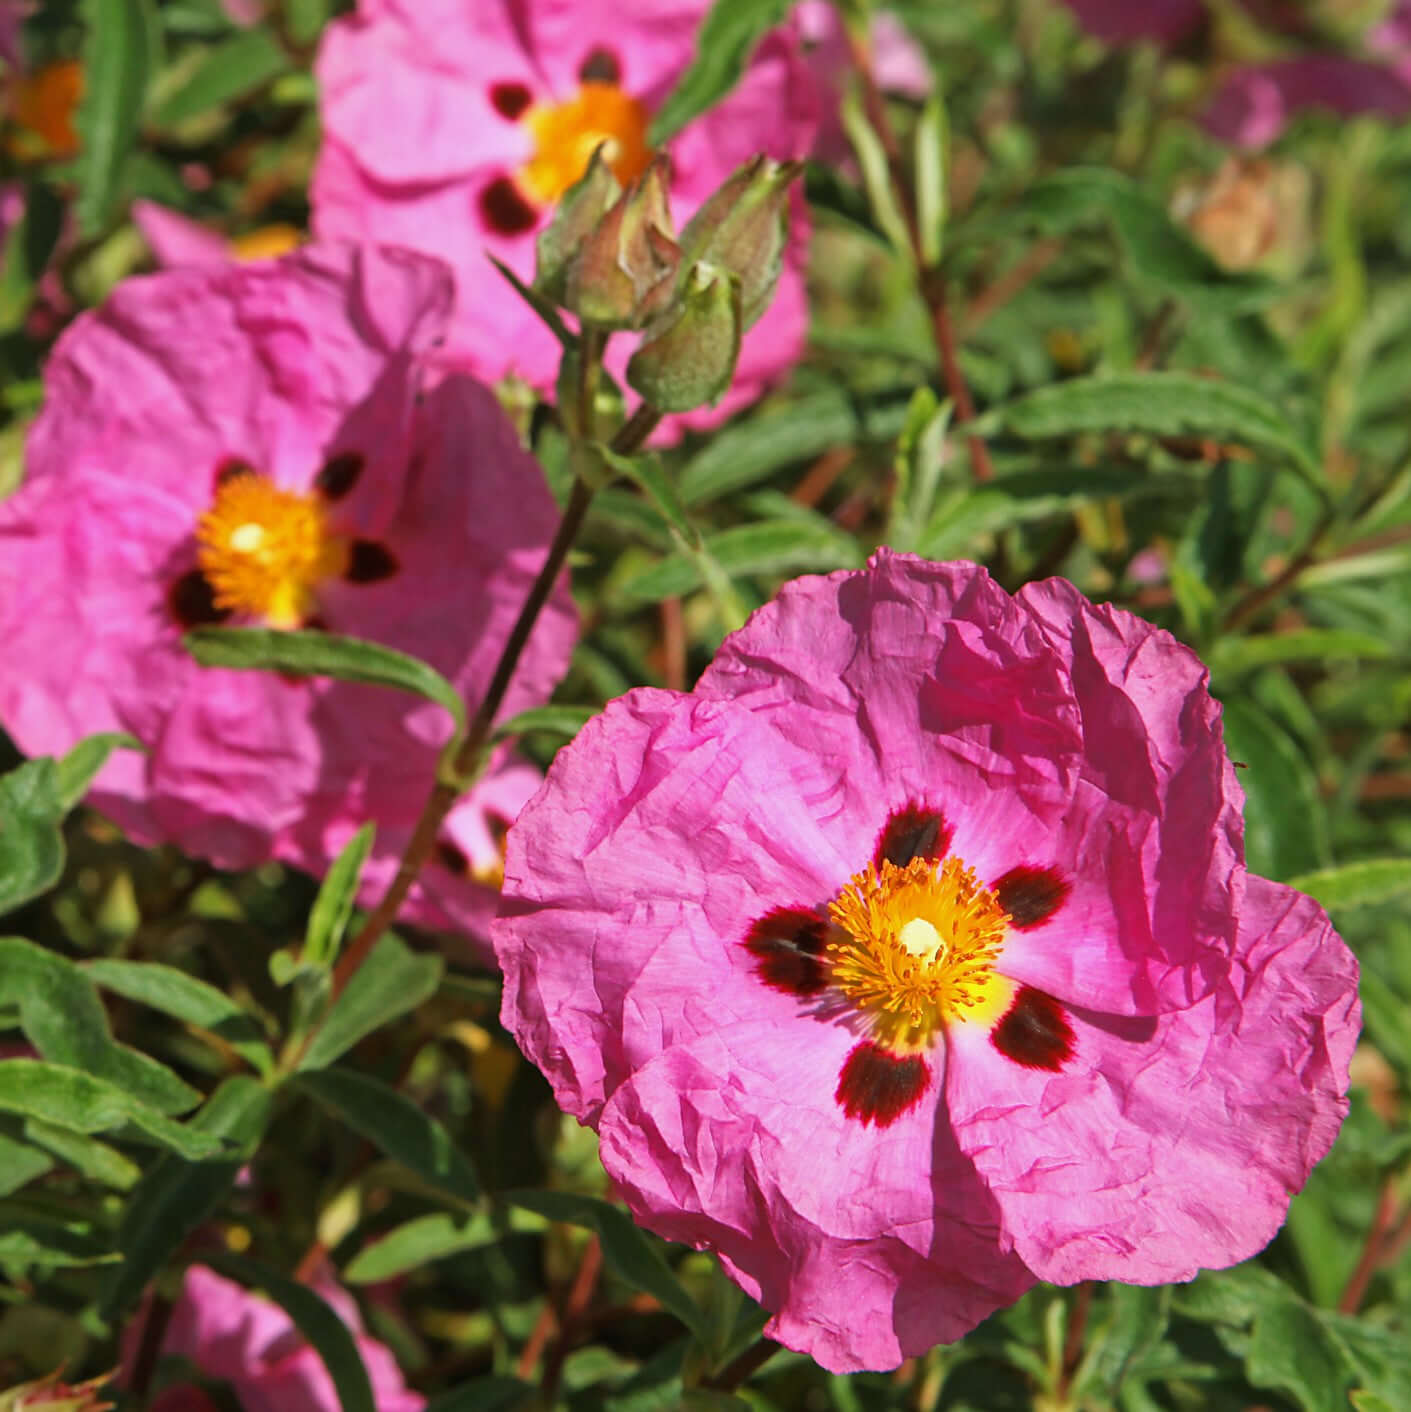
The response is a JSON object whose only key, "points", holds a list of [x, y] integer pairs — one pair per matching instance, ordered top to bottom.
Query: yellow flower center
{"points": [[567, 134], [266, 242], [264, 550], [917, 948]]}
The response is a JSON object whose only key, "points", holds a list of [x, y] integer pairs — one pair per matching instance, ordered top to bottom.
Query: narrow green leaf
{"points": [[727, 38], [120, 51], [237, 66], [872, 161], [929, 165], [28, 248], [1159, 250], [546, 310], [1161, 404], [747, 452], [645, 472], [773, 548], [322, 654], [1235, 655], [565, 721], [82, 763], [1286, 829], [31, 847], [1357, 884], [328, 918], [390, 982], [185, 998], [64, 1019], [76, 1100], [396, 1126], [95, 1160], [20, 1163], [174, 1197], [26, 1242], [419, 1242], [626, 1248], [326, 1333], [1292, 1350], [492, 1393]]}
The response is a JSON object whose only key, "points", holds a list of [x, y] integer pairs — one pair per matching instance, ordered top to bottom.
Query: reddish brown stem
{"points": [[1013, 282], [933, 285], [673, 644], [472, 749], [1373, 1250], [575, 1307], [740, 1370]]}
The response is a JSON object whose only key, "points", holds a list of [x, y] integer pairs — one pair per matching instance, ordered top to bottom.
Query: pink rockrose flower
{"points": [[1126, 21], [1256, 103], [455, 128], [251, 445], [911, 958], [236, 1337]]}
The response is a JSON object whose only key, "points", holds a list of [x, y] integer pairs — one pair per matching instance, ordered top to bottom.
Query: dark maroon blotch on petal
{"points": [[601, 66], [509, 100], [505, 210], [232, 466], [339, 475], [369, 562], [192, 602], [913, 831], [452, 857], [1031, 895], [787, 945], [1035, 1032], [877, 1086]]}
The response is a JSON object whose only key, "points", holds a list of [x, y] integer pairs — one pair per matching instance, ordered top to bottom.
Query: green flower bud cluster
{"points": [[613, 258]]}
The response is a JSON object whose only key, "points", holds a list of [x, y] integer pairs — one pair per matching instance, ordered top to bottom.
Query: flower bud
{"points": [[579, 213], [743, 227], [625, 270], [688, 357], [50, 1395]]}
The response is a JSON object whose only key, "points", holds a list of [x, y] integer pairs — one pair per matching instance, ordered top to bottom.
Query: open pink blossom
{"points": [[1255, 102], [454, 128], [251, 445], [911, 958], [234, 1336]]}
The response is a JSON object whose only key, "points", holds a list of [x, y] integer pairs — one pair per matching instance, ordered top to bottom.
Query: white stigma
{"points": [[247, 538], [921, 939]]}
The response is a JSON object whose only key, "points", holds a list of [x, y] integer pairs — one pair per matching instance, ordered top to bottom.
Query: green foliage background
{"points": [[1226, 452]]}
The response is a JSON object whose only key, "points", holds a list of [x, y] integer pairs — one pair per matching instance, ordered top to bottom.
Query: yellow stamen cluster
{"points": [[567, 134], [264, 550], [917, 948]]}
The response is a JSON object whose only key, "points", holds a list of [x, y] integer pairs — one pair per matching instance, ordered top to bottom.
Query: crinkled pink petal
{"points": [[1123, 21], [1255, 104], [415, 140], [178, 240], [317, 354], [1193, 1024], [732, 1142], [1172, 1144]]}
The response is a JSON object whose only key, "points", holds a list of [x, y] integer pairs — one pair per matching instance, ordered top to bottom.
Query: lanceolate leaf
{"points": [[726, 41], [119, 58], [1163, 404], [322, 654], [31, 849], [1357, 884], [334, 903], [390, 982], [175, 993], [63, 1018], [73, 1099], [396, 1125], [176, 1196], [418, 1242], [626, 1248]]}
